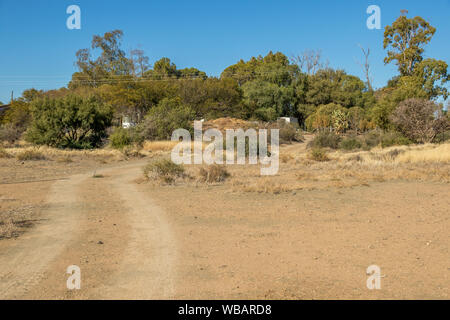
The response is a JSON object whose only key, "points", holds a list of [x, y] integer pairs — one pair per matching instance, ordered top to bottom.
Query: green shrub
{"points": [[162, 120], [69, 122], [288, 132], [442, 137], [120, 138], [374, 138], [371, 139], [394, 139], [325, 140], [350, 143], [318, 154], [30, 155], [164, 170], [213, 173]]}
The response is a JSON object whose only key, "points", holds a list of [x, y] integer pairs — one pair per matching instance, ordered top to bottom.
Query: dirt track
{"points": [[116, 235], [141, 242]]}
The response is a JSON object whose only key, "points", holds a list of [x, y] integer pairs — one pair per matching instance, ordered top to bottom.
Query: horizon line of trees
{"points": [[262, 88]]}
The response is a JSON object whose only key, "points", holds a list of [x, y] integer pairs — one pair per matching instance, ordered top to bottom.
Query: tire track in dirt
{"points": [[136, 261], [22, 263], [148, 268]]}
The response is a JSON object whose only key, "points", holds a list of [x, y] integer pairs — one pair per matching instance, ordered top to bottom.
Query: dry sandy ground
{"points": [[136, 240]]}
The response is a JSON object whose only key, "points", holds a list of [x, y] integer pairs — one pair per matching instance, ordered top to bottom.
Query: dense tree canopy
{"points": [[262, 88]]}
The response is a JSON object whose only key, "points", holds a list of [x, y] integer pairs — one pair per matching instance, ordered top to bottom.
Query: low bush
{"points": [[289, 132], [442, 137], [120, 138], [374, 138], [371, 139], [394, 139], [325, 140], [350, 143], [318, 154], [30, 155], [164, 170], [213, 173]]}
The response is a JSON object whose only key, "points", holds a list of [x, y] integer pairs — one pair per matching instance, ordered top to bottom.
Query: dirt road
{"points": [[104, 225], [139, 241]]}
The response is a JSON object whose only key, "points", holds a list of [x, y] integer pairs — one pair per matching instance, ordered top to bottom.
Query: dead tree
{"points": [[309, 61], [366, 67]]}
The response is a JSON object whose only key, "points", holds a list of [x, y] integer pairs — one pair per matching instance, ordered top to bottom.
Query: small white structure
{"points": [[291, 120], [127, 123]]}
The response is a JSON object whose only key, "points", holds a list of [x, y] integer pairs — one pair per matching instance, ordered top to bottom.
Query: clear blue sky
{"points": [[37, 50]]}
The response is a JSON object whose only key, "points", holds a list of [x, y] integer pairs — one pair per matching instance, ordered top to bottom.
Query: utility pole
{"points": [[12, 97]]}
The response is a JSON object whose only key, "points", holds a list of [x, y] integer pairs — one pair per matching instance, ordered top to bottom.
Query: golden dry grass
{"points": [[155, 146], [4, 153], [426, 154], [62, 155], [343, 170], [298, 172]]}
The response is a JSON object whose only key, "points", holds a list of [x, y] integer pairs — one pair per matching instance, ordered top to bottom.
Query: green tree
{"points": [[405, 40], [110, 65], [162, 69], [192, 73], [431, 77], [260, 94], [212, 98], [18, 115], [162, 120], [69, 122]]}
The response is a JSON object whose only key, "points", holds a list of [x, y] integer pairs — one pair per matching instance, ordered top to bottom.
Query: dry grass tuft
{"points": [[154, 146], [4, 154], [30, 155], [318, 155], [286, 157], [164, 171], [213, 173], [263, 185]]}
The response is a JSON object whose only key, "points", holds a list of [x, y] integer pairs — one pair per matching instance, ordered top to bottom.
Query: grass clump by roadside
{"points": [[120, 138], [4, 154], [318, 154], [30, 155], [164, 170], [213, 173]]}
